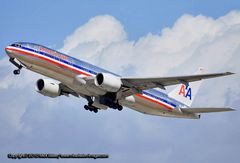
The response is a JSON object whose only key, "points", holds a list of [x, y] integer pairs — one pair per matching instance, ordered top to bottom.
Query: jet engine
{"points": [[108, 82], [48, 87]]}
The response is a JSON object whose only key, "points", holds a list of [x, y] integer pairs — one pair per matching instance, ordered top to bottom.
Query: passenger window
{"points": [[70, 61]]}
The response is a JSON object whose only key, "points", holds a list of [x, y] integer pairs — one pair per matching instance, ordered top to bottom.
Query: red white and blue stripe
{"points": [[86, 69]]}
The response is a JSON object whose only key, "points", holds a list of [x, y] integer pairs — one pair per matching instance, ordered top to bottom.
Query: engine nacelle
{"points": [[108, 82], [47, 87]]}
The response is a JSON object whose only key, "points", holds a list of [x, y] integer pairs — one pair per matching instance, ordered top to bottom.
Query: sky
{"points": [[131, 38]]}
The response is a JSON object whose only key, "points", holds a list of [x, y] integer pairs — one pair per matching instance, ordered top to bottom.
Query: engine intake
{"points": [[108, 82], [48, 87]]}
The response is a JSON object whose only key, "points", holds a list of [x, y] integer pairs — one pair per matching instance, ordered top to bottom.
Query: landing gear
{"points": [[17, 71], [108, 100], [115, 106], [120, 107], [91, 108]]}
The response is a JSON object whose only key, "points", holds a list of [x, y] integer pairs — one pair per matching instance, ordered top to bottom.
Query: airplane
{"points": [[103, 89]]}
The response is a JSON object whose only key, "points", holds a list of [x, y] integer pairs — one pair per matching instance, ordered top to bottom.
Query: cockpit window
{"points": [[16, 45]]}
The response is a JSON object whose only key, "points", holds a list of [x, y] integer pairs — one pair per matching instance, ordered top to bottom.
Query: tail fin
{"points": [[186, 93]]}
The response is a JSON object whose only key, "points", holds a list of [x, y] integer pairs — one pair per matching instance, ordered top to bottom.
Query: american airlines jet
{"points": [[103, 89]]}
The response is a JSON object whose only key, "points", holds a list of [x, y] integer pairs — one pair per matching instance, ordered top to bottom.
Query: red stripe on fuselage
{"points": [[157, 102]]}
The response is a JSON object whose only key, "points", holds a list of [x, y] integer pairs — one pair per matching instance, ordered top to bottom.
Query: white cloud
{"points": [[90, 38], [153, 54]]}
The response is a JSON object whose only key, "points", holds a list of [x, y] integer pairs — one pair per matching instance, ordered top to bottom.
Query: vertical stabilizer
{"points": [[186, 93]]}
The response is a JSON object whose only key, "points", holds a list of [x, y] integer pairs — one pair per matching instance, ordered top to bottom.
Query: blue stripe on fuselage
{"points": [[61, 60], [159, 98]]}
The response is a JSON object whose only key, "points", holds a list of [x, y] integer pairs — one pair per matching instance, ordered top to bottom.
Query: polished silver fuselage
{"points": [[64, 68]]}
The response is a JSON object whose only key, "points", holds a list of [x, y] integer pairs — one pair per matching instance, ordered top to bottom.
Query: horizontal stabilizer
{"points": [[205, 110]]}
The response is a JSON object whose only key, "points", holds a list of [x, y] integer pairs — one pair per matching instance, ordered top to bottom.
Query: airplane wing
{"points": [[136, 85], [205, 110]]}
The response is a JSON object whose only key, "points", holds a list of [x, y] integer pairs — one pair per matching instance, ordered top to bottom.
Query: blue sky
{"points": [[49, 22], [139, 38]]}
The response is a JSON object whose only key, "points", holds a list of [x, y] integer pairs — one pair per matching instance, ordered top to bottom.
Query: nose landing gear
{"points": [[19, 66], [16, 72]]}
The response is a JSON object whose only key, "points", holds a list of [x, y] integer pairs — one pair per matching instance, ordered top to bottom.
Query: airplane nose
{"points": [[8, 51]]}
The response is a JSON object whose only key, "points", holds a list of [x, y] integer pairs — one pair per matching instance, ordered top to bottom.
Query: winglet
{"points": [[229, 73]]}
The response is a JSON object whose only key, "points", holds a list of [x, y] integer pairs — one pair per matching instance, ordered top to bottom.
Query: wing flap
{"points": [[205, 110]]}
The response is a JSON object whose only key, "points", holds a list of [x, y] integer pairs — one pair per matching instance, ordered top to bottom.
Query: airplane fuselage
{"points": [[64, 68]]}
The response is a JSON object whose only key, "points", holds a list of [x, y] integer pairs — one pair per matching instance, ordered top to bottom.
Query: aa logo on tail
{"points": [[185, 91]]}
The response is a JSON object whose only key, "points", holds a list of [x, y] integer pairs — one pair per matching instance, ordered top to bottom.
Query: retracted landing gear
{"points": [[19, 66]]}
